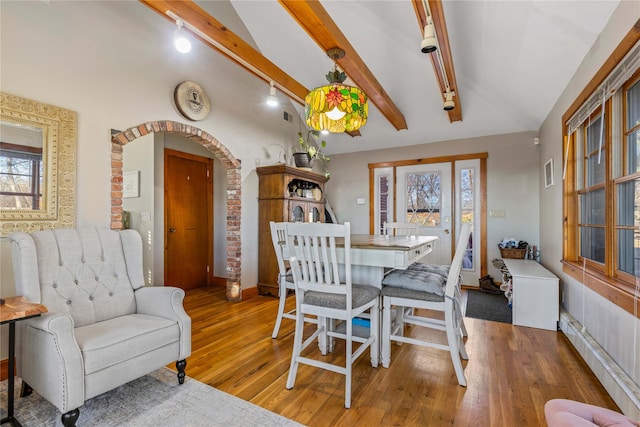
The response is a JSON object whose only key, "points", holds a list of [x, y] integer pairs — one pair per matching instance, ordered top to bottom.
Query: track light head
{"points": [[180, 40], [429, 43], [272, 99], [448, 102]]}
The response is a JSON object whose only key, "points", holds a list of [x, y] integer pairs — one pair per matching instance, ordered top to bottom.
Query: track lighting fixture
{"points": [[180, 40], [429, 42], [272, 99], [448, 101]]}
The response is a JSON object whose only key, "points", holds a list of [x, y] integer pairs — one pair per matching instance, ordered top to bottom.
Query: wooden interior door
{"points": [[188, 184]]}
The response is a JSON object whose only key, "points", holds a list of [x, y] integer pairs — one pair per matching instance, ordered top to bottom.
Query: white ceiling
{"points": [[512, 61]]}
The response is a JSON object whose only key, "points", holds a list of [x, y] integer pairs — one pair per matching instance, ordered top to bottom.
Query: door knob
{"points": [[172, 230], [446, 231]]}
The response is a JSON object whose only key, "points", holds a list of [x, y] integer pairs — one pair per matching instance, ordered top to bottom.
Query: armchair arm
{"points": [[166, 301], [50, 361]]}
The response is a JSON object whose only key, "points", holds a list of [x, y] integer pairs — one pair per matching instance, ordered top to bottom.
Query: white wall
{"points": [[138, 156], [513, 179], [615, 330]]}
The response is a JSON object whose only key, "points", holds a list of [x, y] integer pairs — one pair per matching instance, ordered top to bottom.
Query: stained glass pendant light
{"points": [[336, 107]]}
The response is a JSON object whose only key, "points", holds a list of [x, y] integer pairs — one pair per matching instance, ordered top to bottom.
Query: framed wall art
{"points": [[548, 173], [131, 184]]}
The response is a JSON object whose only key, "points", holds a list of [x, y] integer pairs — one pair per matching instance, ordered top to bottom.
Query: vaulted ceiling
{"points": [[507, 61]]}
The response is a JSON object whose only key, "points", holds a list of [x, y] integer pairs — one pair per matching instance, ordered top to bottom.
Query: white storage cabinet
{"points": [[536, 295]]}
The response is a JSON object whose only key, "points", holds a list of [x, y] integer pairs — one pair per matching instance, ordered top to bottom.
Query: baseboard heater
{"points": [[622, 389]]}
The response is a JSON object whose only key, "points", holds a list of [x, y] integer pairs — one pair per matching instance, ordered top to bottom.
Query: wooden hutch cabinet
{"points": [[285, 194]]}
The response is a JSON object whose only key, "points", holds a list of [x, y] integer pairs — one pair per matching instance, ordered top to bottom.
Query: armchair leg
{"points": [[181, 366], [25, 390], [69, 418]]}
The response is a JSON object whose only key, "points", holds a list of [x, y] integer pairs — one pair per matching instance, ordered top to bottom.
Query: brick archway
{"points": [[234, 200]]}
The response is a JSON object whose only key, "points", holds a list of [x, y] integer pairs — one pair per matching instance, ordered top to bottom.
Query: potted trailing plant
{"points": [[309, 151]]}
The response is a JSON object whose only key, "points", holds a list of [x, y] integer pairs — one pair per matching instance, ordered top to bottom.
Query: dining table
{"points": [[373, 255]]}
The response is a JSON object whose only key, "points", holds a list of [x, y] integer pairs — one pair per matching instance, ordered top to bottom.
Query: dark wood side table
{"points": [[13, 310]]}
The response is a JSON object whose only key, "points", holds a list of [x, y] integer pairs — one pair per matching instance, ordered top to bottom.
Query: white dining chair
{"points": [[399, 229], [285, 278], [427, 290], [320, 292]]}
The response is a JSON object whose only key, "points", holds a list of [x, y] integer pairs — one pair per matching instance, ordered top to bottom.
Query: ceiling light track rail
{"points": [[430, 14]]}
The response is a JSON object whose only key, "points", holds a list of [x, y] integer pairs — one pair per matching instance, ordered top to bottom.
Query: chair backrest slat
{"points": [[399, 229], [278, 238], [314, 261], [453, 279]]}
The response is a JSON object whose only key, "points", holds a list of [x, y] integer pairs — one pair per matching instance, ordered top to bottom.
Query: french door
{"points": [[438, 197], [424, 198]]}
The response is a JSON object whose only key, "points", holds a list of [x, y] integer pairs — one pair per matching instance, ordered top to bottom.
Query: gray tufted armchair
{"points": [[104, 328]]}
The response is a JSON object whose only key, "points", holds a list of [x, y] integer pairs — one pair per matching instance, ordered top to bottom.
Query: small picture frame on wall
{"points": [[548, 173], [131, 184]]}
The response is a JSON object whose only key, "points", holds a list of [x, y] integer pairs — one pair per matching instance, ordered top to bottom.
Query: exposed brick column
{"points": [[116, 186], [234, 190], [234, 211]]}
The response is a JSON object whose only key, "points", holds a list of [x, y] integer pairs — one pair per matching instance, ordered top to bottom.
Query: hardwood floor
{"points": [[512, 371]]}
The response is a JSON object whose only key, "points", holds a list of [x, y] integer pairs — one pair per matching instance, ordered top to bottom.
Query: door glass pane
{"points": [[466, 195], [383, 201], [424, 201], [592, 207], [467, 209], [297, 214], [315, 215], [592, 243]]}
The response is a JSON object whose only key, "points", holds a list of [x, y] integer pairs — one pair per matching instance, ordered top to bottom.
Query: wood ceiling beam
{"points": [[315, 20], [440, 26], [229, 44]]}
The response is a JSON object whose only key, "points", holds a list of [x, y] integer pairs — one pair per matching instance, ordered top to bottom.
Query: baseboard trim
{"points": [[218, 281], [249, 292], [4, 369], [620, 386]]}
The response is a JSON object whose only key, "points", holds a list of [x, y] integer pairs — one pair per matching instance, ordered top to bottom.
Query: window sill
{"points": [[619, 293]]}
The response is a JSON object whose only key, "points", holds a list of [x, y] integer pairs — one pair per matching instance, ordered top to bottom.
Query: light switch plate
{"points": [[360, 201], [496, 213], [145, 216]]}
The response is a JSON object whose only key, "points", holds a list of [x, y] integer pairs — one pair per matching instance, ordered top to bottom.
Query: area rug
{"points": [[481, 305], [153, 400]]}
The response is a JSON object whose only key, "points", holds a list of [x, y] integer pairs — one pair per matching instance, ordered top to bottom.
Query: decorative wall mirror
{"points": [[37, 165]]}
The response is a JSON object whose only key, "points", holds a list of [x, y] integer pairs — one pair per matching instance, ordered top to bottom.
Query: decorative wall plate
{"points": [[191, 100]]}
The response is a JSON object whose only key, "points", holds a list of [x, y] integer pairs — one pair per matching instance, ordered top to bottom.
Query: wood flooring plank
{"points": [[512, 371]]}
